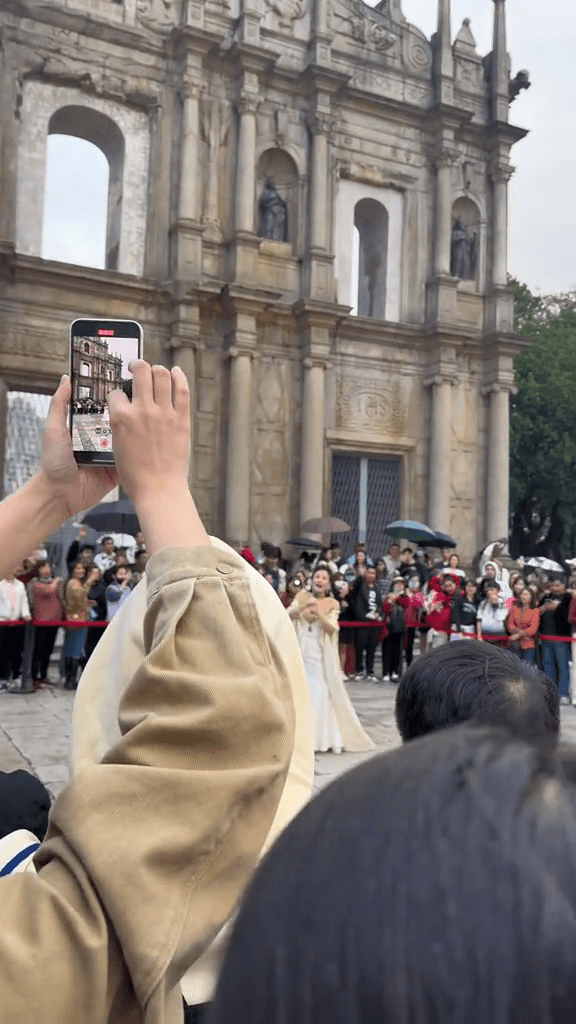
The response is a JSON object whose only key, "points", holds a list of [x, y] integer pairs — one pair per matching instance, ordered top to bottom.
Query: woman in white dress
{"points": [[315, 617]]}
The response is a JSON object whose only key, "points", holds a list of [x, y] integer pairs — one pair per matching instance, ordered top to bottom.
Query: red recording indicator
{"points": [[106, 334]]}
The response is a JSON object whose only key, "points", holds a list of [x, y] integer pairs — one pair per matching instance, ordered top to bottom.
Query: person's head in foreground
{"points": [[469, 679], [434, 884]]}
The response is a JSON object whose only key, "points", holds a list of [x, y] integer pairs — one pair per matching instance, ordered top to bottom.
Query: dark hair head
{"points": [[107, 537], [40, 565], [518, 600], [470, 679], [24, 803], [436, 882]]}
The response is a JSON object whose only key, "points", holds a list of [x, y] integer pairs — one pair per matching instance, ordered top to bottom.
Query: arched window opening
{"points": [[83, 190], [75, 202], [371, 222]]}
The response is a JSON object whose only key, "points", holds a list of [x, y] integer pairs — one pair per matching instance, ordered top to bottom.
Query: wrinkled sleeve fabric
{"points": [[149, 850]]}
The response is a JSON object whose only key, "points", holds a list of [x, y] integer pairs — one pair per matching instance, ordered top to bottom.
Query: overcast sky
{"points": [[541, 39]]}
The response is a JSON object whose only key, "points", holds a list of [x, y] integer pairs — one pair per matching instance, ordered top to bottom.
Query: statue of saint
{"points": [[273, 213], [463, 256]]}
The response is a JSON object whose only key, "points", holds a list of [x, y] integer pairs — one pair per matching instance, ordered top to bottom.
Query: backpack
{"points": [[397, 620]]}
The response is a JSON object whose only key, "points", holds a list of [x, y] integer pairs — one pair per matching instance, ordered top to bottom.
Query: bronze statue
{"points": [[273, 214]]}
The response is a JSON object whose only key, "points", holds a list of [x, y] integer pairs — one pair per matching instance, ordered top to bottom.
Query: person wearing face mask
{"points": [[413, 611], [315, 618]]}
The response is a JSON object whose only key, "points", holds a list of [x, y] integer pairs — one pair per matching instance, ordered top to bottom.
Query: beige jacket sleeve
{"points": [[148, 850]]}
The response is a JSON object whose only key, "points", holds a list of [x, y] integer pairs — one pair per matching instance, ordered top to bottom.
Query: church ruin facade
{"points": [[307, 212]]}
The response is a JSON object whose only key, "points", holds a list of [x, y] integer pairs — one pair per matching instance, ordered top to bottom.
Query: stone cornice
{"points": [[130, 36], [245, 57], [321, 79], [66, 277], [319, 314]]}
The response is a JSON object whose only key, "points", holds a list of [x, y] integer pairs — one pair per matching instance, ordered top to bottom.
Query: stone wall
{"points": [[336, 103]]}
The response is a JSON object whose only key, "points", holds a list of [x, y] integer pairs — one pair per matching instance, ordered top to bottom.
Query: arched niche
{"points": [[99, 129], [277, 167], [371, 222], [466, 240]]}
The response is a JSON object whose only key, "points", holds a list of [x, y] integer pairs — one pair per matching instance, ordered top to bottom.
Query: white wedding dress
{"points": [[336, 725]]}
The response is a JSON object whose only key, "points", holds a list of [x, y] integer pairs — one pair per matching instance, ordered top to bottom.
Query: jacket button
{"points": [[225, 568]]}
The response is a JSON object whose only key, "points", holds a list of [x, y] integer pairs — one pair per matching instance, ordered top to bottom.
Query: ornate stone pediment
{"points": [[381, 30]]}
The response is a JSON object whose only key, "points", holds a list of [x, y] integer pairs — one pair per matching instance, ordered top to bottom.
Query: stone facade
{"points": [[380, 143]]}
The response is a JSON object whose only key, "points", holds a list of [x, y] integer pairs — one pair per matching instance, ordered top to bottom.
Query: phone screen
{"points": [[100, 353]]}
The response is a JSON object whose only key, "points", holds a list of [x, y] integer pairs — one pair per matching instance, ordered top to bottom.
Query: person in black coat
{"points": [[97, 602], [366, 602]]}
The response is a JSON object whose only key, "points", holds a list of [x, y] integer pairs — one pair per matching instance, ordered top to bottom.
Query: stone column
{"points": [[320, 125], [444, 159], [245, 168], [500, 177], [189, 186], [184, 356], [313, 421], [3, 431], [498, 462], [439, 463], [237, 513]]}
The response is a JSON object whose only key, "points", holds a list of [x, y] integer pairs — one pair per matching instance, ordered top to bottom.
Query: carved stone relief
{"points": [[288, 11], [156, 14], [215, 120], [368, 406]]}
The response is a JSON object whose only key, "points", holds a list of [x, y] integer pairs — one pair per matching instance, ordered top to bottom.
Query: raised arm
{"points": [[149, 850]]}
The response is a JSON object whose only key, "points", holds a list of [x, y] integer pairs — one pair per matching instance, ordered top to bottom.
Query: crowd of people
{"points": [[96, 586], [403, 597], [431, 883]]}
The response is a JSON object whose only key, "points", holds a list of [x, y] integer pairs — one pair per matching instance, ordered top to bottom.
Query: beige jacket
{"points": [[95, 721], [149, 849]]}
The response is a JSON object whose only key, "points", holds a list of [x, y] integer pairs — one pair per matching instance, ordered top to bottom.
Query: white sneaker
{"points": [[385, 679]]}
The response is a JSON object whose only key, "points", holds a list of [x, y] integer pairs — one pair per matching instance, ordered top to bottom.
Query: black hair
{"points": [[107, 537], [404, 550], [470, 679], [24, 803], [436, 882]]}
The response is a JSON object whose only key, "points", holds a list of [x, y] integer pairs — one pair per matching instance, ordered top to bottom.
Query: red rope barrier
{"points": [[65, 623]]}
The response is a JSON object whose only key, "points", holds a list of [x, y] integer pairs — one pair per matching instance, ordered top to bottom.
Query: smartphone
{"points": [[100, 351]]}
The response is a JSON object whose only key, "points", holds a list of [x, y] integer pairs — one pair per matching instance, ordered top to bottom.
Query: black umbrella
{"points": [[119, 516], [443, 540], [305, 543]]}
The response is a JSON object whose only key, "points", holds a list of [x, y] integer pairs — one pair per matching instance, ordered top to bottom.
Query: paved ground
{"points": [[91, 432], [35, 732]]}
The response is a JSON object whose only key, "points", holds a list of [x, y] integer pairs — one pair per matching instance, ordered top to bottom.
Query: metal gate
{"points": [[366, 494]]}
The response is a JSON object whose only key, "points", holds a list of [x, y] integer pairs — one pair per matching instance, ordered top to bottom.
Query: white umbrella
{"points": [[545, 563]]}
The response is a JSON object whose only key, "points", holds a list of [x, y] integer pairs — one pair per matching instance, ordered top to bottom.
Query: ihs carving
{"points": [[366, 405]]}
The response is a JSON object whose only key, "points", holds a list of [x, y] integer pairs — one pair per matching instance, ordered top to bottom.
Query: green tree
{"points": [[543, 413]]}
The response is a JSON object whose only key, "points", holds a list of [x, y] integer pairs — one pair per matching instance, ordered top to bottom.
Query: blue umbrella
{"points": [[409, 529], [443, 540]]}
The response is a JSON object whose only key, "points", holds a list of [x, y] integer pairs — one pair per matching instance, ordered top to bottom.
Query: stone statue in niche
{"points": [[273, 214], [464, 252]]}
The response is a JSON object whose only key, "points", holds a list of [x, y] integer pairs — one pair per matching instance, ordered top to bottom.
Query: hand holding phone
{"points": [[100, 354]]}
